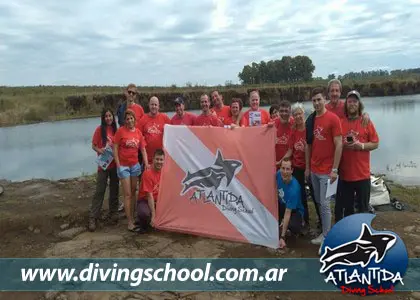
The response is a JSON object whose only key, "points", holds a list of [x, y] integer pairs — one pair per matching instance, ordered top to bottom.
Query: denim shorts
{"points": [[124, 172]]}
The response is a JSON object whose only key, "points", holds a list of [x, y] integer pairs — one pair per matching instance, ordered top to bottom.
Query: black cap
{"points": [[179, 100]]}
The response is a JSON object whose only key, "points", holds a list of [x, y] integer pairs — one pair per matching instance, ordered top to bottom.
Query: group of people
{"points": [[332, 143]]}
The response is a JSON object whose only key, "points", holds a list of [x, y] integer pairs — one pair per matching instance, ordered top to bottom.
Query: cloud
{"points": [[164, 42]]}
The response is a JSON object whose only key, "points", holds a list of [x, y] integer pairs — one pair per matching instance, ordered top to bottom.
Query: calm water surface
{"points": [[63, 149]]}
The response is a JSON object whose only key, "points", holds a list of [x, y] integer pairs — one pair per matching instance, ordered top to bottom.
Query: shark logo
{"points": [[211, 177], [360, 251], [360, 260]]}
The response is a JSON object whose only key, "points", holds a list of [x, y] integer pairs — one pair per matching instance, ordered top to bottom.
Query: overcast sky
{"points": [[164, 42]]}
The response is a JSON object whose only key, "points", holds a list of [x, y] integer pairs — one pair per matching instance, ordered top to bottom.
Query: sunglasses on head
{"points": [[131, 93]]}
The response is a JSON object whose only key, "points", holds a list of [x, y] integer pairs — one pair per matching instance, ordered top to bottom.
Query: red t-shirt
{"points": [[338, 110], [138, 111], [222, 113], [264, 117], [187, 119], [208, 120], [229, 121], [326, 127], [152, 129], [284, 132], [97, 141], [129, 142], [297, 144], [355, 164], [149, 184]]}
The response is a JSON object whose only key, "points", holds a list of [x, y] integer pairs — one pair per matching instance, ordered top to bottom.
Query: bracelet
{"points": [[363, 146]]}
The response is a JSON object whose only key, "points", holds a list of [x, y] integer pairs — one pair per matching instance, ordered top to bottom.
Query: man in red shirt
{"points": [[130, 94], [336, 105], [222, 111], [255, 116], [182, 117], [207, 118], [151, 126], [284, 130], [323, 157], [354, 171], [149, 193]]}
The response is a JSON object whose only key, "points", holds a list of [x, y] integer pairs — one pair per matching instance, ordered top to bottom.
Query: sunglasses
{"points": [[131, 93]]}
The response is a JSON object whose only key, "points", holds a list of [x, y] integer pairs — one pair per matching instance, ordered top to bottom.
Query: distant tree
{"points": [[287, 70], [331, 76], [229, 83]]}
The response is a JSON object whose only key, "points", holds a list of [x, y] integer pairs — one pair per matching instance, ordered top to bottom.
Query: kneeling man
{"points": [[148, 194], [291, 209]]}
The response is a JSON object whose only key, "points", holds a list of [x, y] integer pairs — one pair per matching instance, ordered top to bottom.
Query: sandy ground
{"points": [[33, 215]]}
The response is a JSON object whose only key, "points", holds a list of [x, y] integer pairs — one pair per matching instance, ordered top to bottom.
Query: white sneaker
{"points": [[121, 207], [319, 240], [320, 249]]}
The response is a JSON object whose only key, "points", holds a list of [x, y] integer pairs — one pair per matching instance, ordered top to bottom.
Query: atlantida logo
{"points": [[360, 260]]}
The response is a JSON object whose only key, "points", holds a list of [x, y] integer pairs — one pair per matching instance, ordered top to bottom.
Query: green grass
{"points": [[23, 105]]}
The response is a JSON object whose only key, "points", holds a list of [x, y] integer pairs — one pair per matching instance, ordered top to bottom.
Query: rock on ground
{"points": [[409, 229], [71, 233]]}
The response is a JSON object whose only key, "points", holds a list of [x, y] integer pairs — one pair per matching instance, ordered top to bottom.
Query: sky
{"points": [[206, 42]]}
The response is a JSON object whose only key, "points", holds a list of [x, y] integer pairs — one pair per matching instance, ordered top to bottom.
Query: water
{"points": [[63, 149]]}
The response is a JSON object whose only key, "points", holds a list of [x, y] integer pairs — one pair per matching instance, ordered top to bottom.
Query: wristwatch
{"points": [[335, 170]]}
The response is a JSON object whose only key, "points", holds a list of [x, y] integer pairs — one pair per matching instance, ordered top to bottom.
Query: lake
{"points": [[62, 149]]}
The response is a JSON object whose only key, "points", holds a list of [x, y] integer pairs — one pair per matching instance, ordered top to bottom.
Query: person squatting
{"points": [[332, 143]]}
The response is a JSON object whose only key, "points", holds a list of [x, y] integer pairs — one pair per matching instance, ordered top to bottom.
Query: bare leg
{"points": [[126, 184]]}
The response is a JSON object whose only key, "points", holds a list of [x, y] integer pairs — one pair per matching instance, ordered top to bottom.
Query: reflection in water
{"points": [[398, 106], [63, 149]]}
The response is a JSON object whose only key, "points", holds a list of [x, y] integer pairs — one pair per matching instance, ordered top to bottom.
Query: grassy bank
{"points": [[23, 105]]}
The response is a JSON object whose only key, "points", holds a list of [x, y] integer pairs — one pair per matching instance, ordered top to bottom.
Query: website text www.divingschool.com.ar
{"points": [[136, 276]]}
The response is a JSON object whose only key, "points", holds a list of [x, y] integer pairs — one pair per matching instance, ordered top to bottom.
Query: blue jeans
{"points": [[124, 172], [319, 184]]}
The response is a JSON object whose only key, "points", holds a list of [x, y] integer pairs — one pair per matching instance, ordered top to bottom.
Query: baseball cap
{"points": [[353, 93], [179, 100]]}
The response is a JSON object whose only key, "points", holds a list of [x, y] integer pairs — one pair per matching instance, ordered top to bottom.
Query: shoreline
{"points": [[33, 105], [60, 118]]}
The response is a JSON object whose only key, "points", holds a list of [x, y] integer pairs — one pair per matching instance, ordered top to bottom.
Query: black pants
{"points": [[299, 174], [101, 184], [349, 193], [295, 223]]}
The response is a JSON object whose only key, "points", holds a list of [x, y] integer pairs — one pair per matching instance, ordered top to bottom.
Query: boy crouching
{"points": [[148, 192]]}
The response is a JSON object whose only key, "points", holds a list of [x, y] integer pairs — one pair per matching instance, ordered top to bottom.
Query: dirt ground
{"points": [[33, 215]]}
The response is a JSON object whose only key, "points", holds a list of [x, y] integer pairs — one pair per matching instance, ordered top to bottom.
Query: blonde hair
{"points": [[296, 106]]}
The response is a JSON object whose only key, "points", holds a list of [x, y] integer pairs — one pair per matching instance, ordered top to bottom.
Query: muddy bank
{"points": [[42, 218]]}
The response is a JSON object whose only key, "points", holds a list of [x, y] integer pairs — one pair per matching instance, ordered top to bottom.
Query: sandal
{"points": [[135, 229]]}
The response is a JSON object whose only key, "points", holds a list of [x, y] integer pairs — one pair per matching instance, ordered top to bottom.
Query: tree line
{"points": [[300, 68], [376, 73]]}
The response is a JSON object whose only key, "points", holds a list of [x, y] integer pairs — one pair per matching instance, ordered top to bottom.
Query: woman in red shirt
{"points": [[234, 118], [103, 139], [127, 142], [297, 145]]}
